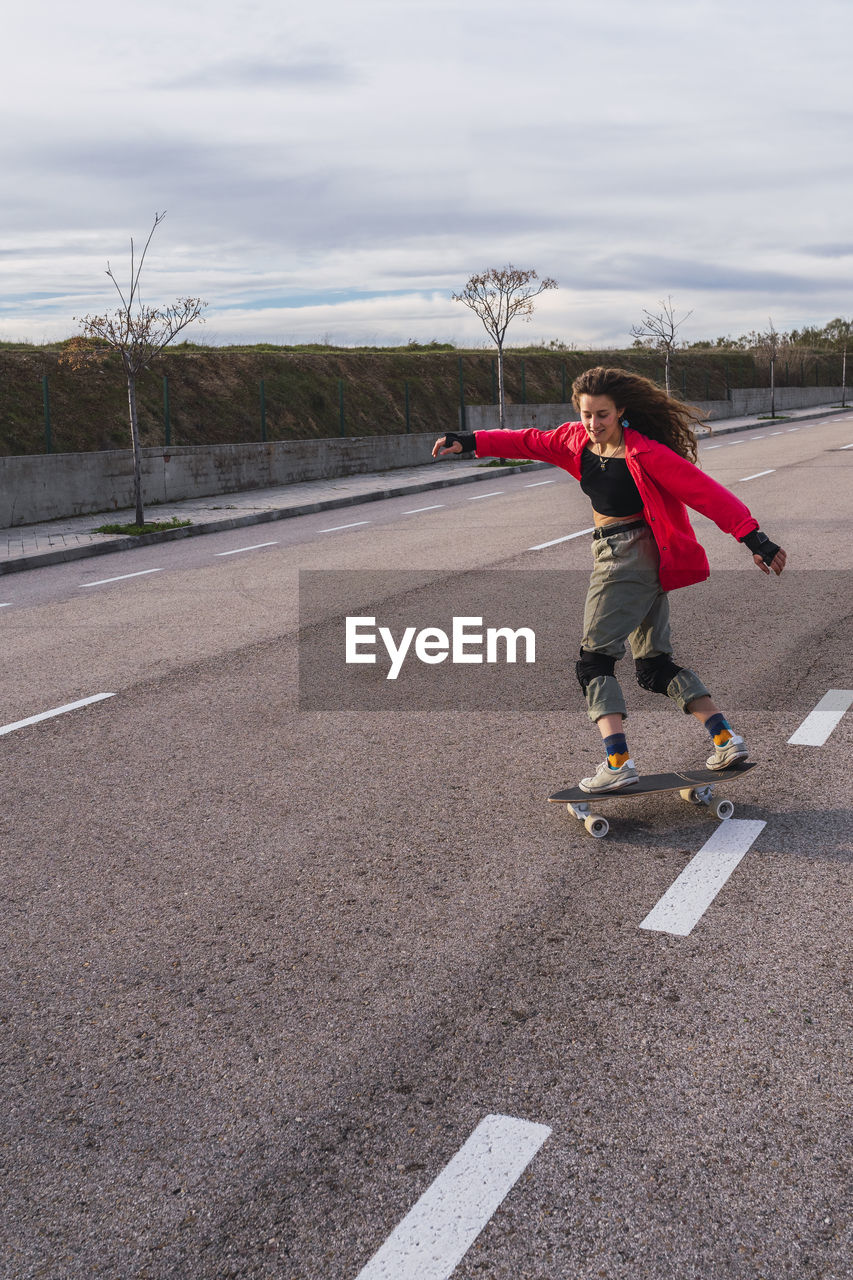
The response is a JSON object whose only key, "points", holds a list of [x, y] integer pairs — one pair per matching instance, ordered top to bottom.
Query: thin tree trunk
{"points": [[666, 371], [844, 378], [772, 387], [501, 402], [134, 437]]}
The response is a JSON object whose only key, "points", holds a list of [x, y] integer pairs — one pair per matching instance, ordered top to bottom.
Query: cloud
{"points": [[264, 74], [333, 159], [830, 250], [666, 273]]}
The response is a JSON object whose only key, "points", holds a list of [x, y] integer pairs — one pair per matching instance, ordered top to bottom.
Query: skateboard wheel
{"points": [[725, 809], [596, 825]]}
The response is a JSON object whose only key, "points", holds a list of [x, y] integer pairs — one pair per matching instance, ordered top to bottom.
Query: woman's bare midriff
{"points": [[600, 521]]}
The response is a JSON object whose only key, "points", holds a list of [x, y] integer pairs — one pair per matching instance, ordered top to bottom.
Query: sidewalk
{"points": [[35, 545]]}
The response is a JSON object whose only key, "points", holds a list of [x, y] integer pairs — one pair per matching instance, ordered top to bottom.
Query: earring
{"points": [[625, 422]]}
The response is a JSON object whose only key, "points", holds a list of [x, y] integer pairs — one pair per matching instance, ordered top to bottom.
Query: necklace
{"points": [[603, 459]]}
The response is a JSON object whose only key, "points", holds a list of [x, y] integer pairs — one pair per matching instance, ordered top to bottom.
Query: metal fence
{"points": [[57, 410]]}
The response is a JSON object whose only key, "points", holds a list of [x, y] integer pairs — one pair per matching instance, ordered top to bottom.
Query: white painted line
{"points": [[790, 429], [777, 433], [759, 437], [734, 442], [713, 446], [847, 446], [757, 474], [536, 483], [493, 494], [418, 509], [336, 527], [542, 545], [256, 547], [140, 573], [5, 606], [58, 711], [819, 724], [689, 897], [439, 1230]]}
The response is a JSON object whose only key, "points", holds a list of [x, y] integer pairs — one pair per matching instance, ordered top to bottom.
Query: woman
{"points": [[634, 453]]}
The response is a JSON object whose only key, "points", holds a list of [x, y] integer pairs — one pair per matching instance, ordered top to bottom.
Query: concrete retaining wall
{"points": [[757, 399], [51, 486]]}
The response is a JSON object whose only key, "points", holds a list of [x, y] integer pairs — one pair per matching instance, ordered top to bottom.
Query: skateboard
{"points": [[695, 785]]}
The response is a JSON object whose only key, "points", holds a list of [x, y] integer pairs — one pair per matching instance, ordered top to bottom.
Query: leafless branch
{"points": [[497, 296], [659, 329], [138, 333]]}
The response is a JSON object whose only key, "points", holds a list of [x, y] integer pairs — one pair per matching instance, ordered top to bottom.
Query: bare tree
{"points": [[497, 296], [658, 332], [839, 332], [139, 333], [768, 344]]}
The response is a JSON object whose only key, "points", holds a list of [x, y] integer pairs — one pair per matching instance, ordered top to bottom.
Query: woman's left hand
{"points": [[777, 564]]}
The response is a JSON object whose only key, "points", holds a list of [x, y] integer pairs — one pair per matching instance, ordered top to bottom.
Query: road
{"points": [[270, 970]]}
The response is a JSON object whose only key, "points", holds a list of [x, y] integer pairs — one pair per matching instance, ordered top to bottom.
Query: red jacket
{"points": [[665, 480]]}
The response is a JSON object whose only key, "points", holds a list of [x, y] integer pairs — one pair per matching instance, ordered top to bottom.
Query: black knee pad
{"points": [[592, 664], [655, 673]]}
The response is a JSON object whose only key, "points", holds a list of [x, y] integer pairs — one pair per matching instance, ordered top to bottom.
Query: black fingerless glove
{"points": [[466, 440], [760, 545]]}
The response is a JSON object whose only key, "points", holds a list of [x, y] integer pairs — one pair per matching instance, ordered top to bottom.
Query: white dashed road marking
{"points": [[847, 446], [757, 474], [536, 483], [478, 496], [416, 510], [336, 527], [542, 545], [256, 547], [140, 573], [5, 606], [58, 711], [819, 724], [689, 897], [437, 1233]]}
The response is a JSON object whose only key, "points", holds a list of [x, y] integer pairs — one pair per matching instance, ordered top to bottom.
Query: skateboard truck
{"points": [[595, 824]]}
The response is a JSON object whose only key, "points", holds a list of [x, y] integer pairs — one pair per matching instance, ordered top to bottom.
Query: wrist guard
{"points": [[466, 440], [760, 545]]}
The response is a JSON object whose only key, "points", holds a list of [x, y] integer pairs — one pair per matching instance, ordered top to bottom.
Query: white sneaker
{"points": [[729, 753], [606, 778]]}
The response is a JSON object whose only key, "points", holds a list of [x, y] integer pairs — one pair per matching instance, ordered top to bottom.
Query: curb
{"points": [[41, 559]]}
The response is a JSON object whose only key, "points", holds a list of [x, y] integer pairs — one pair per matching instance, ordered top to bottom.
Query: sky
{"points": [[335, 170]]}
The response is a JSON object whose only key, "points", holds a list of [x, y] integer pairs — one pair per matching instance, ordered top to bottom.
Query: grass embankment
{"points": [[214, 392]]}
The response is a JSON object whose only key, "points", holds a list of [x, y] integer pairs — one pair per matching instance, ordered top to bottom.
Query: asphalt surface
{"points": [[267, 969]]}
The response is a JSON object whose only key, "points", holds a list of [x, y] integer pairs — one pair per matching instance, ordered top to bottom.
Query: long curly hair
{"points": [[646, 407]]}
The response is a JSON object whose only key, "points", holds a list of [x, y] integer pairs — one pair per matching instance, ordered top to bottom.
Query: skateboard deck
{"points": [[695, 785]]}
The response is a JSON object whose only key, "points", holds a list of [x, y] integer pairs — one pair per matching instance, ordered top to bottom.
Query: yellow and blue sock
{"points": [[719, 729], [616, 746]]}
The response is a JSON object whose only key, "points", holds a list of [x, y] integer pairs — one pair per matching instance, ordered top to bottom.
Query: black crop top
{"points": [[610, 488]]}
